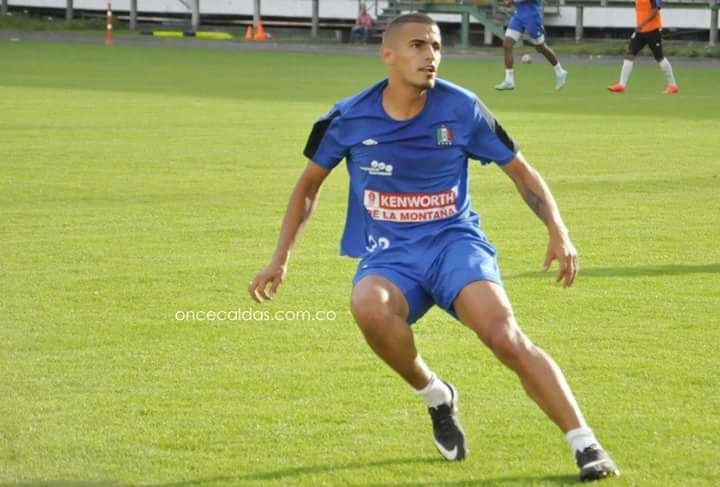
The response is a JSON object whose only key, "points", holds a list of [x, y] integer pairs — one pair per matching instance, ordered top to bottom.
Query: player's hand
{"points": [[560, 248], [273, 274]]}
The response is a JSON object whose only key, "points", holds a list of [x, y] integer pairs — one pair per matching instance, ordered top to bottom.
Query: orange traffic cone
{"points": [[249, 33], [260, 34]]}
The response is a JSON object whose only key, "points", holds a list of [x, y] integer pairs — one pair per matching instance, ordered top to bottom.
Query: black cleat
{"points": [[449, 436], [595, 464]]}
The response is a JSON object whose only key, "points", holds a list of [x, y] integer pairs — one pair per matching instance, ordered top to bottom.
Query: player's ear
{"points": [[387, 55]]}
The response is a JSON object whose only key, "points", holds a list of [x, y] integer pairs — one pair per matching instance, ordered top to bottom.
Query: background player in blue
{"points": [[528, 19], [407, 141]]}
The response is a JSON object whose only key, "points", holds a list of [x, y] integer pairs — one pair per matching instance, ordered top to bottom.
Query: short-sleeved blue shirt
{"points": [[526, 8], [408, 178]]}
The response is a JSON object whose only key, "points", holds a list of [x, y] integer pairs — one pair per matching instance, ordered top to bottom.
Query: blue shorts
{"points": [[530, 22], [435, 269]]}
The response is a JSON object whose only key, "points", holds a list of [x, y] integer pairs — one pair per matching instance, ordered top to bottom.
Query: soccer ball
{"points": [[526, 58]]}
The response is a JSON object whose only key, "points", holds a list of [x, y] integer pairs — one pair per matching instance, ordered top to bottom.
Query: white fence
{"points": [[594, 17]]}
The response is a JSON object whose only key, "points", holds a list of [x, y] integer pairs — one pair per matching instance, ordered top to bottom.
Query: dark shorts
{"points": [[652, 39], [435, 269]]}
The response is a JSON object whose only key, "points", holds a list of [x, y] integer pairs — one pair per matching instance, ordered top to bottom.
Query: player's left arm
{"points": [[538, 197]]}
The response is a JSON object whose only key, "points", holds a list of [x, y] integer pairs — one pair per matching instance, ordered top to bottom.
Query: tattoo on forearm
{"points": [[536, 204]]}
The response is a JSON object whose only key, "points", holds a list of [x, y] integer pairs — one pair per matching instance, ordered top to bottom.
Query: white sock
{"points": [[558, 68], [627, 68], [667, 69], [510, 76], [435, 393], [581, 438]]}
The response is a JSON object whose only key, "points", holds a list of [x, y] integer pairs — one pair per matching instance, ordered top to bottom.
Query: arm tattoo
{"points": [[536, 203]]}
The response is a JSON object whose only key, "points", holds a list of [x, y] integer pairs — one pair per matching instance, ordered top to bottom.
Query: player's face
{"points": [[413, 54]]}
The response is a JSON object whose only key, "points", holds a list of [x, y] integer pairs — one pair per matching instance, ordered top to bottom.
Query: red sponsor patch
{"points": [[410, 207]]}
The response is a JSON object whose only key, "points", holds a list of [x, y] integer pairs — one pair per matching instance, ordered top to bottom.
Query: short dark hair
{"points": [[412, 18]]}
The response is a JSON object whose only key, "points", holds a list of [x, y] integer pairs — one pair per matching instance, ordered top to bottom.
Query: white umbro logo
{"points": [[369, 142]]}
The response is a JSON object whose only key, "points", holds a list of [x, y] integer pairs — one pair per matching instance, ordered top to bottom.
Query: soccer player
{"points": [[528, 19], [647, 32], [407, 141]]}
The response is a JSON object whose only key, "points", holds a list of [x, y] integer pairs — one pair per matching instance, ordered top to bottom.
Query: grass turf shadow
{"points": [[641, 271], [291, 474]]}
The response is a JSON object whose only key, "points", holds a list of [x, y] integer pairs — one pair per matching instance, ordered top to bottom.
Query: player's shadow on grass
{"points": [[640, 271], [288, 474], [293, 475], [488, 482], [63, 483]]}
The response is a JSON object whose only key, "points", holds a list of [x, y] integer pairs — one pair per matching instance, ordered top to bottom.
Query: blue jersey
{"points": [[527, 7], [408, 179]]}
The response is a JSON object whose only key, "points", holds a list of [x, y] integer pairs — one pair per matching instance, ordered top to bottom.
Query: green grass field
{"points": [[139, 183]]}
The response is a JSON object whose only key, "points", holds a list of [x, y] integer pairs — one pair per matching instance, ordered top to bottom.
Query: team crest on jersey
{"points": [[444, 136]]}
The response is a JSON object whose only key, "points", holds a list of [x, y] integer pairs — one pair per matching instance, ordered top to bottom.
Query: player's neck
{"points": [[401, 101]]}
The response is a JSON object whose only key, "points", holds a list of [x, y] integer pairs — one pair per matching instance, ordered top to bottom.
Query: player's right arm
{"points": [[303, 201]]}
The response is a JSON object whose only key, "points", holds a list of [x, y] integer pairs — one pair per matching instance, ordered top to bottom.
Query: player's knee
{"points": [[508, 43], [540, 47], [371, 311], [509, 344]]}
